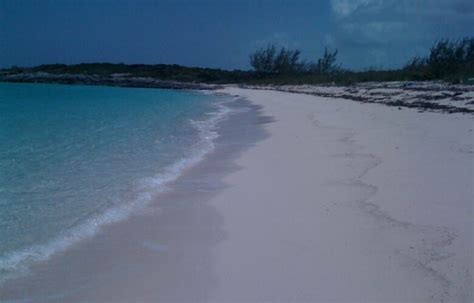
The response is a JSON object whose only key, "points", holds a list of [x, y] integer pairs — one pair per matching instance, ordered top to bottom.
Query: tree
{"points": [[448, 57], [269, 60], [326, 64]]}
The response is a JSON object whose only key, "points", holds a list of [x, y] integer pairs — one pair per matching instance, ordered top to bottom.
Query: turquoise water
{"points": [[74, 158]]}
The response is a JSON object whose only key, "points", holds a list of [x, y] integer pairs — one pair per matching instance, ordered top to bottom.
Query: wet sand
{"points": [[306, 199], [161, 253]]}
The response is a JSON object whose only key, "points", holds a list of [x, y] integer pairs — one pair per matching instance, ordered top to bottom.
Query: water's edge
{"points": [[236, 126], [16, 263]]}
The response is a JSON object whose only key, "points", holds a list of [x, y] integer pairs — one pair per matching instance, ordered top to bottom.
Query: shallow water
{"points": [[75, 158], [165, 251]]}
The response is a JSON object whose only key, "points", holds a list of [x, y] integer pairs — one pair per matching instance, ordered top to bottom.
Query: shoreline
{"points": [[95, 80], [430, 96], [307, 199], [351, 204], [155, 243], [16, 263]]}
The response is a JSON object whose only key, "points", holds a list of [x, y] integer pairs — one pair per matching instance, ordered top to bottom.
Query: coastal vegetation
{"points": [[448, 60], [271, 61]]}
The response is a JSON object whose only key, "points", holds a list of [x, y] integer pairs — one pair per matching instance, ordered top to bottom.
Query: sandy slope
{"points": [[349, 202]]}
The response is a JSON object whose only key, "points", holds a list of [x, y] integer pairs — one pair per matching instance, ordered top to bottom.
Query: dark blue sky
{"points": [[221, 33]]}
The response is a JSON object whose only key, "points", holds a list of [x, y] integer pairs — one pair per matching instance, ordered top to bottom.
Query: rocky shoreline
{"points": [[121, 80], [424, 96]]}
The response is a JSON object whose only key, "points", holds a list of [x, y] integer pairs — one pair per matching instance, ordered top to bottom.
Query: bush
{"points": [[449, 60], [272, 61], [326, 64]]}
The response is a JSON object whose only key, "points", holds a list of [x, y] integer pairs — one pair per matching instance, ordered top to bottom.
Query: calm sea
{"points": [[74, 158]]}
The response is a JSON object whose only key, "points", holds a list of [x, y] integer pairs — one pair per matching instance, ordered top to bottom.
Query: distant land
{"points": [[448, 60], [441, 81]]}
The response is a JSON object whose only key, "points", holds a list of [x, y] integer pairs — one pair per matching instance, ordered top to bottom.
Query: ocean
{"points": [[76, 158]]}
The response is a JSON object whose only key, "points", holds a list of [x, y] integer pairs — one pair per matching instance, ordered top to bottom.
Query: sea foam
{"points": [[17, 263]]}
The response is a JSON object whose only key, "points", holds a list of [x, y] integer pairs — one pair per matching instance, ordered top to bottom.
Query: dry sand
{"points": [[338, 202], [348, 202]]}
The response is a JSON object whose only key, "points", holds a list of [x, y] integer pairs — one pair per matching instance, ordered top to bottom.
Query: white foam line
{"points": [[17, 263]]}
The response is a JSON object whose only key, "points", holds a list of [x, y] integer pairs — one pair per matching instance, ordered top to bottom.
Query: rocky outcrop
{"points": [[123, 80], [424, 96]]}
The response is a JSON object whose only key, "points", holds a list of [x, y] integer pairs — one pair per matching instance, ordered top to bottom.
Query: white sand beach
{"points": [[237, 151], [332, 201], [349, 202]]}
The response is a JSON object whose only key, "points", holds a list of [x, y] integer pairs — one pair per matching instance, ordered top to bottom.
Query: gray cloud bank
{"points": [[386, 33]]}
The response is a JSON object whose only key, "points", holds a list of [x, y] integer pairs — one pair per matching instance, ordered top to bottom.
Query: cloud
{"points": [[345, 8], [421, 8], [388, 32]]}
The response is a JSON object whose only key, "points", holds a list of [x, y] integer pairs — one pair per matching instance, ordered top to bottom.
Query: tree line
{"points": [[271, 60], [451, 60]]}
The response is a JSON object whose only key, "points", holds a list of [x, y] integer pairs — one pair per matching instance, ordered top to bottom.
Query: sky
{"points": [[222, 33]]}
